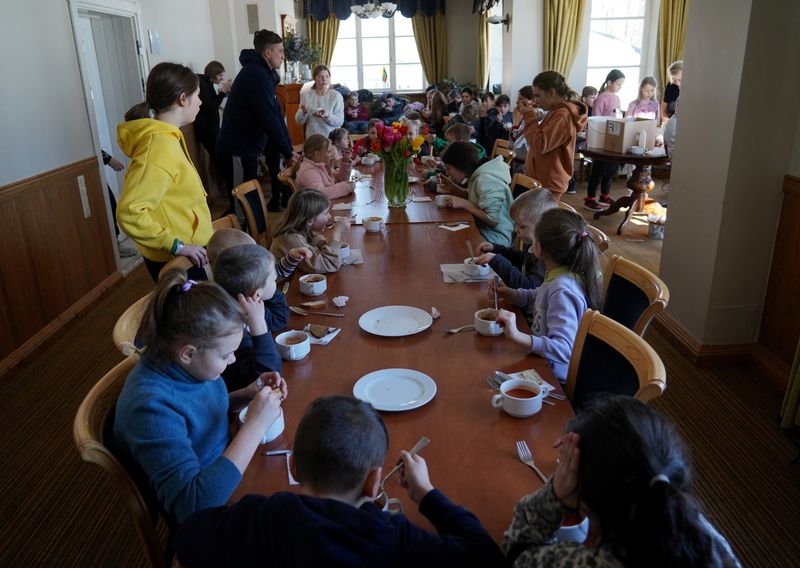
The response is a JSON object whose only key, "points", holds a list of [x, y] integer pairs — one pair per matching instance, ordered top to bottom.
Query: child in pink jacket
{"points": [[314, 170]]}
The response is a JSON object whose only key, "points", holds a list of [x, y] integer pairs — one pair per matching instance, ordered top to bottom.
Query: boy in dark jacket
{"points": [[339, 450]]}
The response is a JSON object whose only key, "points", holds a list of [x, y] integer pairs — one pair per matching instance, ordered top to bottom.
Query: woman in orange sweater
{"points": [[551, 139]]}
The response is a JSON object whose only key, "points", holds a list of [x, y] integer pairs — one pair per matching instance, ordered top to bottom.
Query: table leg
{"points": [[639, 184]]}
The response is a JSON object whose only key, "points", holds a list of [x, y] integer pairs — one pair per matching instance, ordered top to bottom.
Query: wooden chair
{"points": [[500, 150], [285, 177], [522, 181], [251, 198], [226, 222], [599, 237], [632, 294], [127, 326], [610, 358], [90, 432]]}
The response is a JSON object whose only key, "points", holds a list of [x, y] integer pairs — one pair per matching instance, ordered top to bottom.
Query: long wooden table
{"points": [[370, 201], [471, 456]]}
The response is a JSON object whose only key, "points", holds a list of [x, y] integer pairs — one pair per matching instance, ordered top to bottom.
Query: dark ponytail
{"points": [[613, 75], [547, 80], [165, 85], [564, 237], [181, 310], [634, 477]]}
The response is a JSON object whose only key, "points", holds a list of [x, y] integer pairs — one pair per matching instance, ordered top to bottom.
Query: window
{"points": [[616, 39], [379, 54]]}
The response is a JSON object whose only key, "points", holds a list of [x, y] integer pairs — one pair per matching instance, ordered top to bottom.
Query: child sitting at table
{"points": [[497, 123], [457, 132], [370, 142], [314, 169], [488, 196], [307, 215], [519, 268], [247, 273], [571, 286], [171, 417], [339, 450], [625, 467]]}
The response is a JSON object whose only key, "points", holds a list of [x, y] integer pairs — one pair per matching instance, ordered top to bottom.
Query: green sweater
{"points": [[488, 190]]}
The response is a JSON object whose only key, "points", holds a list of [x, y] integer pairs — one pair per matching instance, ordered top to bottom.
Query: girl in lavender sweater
{"points": [[571, 286]]}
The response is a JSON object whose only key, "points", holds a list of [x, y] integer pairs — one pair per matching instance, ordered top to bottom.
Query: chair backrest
{"points": [[500, 143], [507, 153], [285, 177], [521, 182], [251, 198], [567, 206], [226, 222], [599, 237], [179, 262], [632, 295], [127, 326], [609, 358], [89, 430]]}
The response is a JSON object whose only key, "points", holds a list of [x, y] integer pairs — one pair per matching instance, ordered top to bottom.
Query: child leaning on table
{"points": [[314, 169], [306, 216], [520, 268], [247, 273], [571, 286], [171, 417], [339, 450], [625, 467]]}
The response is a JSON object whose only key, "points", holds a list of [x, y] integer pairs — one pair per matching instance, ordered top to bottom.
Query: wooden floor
{"points": [[56, 510]]}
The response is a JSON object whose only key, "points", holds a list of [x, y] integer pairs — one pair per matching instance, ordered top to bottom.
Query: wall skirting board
{"points": [[56, 257]]}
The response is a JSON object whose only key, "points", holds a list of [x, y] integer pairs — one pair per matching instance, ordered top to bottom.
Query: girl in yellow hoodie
{"points": [[163, 204]]}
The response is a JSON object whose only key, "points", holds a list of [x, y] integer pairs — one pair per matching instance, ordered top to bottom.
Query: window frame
{"points": [[392, 63]]}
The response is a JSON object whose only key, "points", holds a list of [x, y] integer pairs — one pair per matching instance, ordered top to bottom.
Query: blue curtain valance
{"points": [[321, 9]]}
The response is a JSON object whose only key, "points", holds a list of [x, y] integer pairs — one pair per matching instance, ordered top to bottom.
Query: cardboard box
{"points": [[622, 134]]}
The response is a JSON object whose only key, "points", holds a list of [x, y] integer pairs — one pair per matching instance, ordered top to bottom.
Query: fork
{"points": [[303, 312], [526, 457]]}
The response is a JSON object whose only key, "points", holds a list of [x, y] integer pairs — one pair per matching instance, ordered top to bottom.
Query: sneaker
{"points": [[571, 187], [605, 201], [591, 204]]}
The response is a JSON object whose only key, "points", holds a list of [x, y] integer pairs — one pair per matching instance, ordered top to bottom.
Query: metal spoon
{"points": [[469, 249], [496, 283], [303, 312], [462, 328], [424, 441]]}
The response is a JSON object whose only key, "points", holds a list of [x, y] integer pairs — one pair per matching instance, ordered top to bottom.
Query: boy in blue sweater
{"points": [[247, 272], [339, 450]]}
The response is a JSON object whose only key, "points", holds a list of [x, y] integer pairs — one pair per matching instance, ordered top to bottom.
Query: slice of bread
{"points": [[314, 305]]}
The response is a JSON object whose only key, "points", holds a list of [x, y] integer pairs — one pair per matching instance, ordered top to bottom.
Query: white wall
{"points": [[185, 30], [462, 41], [522, 45], [44, 116], [732, 153]]}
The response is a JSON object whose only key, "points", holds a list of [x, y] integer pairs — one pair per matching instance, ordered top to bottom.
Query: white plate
{"points": [[395, 321], [395, 389]]}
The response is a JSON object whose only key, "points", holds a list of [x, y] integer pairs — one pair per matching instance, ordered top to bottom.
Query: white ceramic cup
{"points": [[637, 150], [368, 160], [441, 200], [373, 224], [473, 269], [313, 284], [485, 324], [291, 351], [519, 406], [275, 429], [572, 531]]}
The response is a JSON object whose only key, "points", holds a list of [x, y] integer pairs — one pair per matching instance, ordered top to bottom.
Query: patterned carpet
{"points": [[58, 511]]}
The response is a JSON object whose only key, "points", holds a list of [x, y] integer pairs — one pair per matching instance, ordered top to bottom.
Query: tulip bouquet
{"points": [[396, 149]]}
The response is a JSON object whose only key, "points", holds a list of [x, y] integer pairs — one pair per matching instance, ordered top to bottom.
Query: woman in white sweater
{"points": [[321, 108]]}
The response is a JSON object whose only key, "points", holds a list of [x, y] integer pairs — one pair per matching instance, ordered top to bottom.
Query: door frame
{"points": [[128, 9]]}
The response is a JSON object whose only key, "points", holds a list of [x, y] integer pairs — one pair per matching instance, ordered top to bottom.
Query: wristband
{"points": [[177, 246]]}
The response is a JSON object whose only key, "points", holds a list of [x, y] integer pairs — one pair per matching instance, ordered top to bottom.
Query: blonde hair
{"points": [[675, 68], [649, 80], [313, 144], [532, 204], [304, 206], [225, 239]]}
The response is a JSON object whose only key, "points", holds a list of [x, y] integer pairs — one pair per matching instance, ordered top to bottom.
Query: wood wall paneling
{"points": [[289, 99], [51, 256], [780, 321]]}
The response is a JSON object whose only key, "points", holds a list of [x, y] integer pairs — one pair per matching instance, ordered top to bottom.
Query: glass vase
{"points": [[395, 179]]}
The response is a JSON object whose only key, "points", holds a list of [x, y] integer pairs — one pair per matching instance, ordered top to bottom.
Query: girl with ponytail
{"points": [[163, 204], [571, 286], [625, 467]]}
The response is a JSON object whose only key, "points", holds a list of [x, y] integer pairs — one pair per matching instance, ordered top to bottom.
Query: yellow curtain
{"points": [[562, 28], [323, 34], [430, 34], [671, 36], [482, 70], [790, 411]]}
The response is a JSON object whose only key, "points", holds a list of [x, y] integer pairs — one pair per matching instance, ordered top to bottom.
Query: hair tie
{"points": [[583, 234], [186, 285], [659, 478]]}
